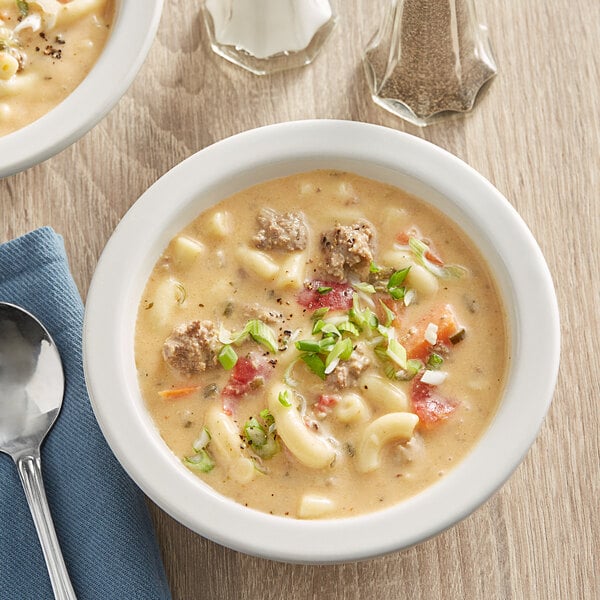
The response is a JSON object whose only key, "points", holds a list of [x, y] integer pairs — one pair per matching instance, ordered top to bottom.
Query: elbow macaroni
{"points": [[383, 393], [351, 409], [398, 426], [225, 440], [309, 448]]}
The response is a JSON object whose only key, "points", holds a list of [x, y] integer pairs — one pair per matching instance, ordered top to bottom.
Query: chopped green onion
{"points": [[23, 7], [420, 249], [373, 268], [397, 278], [362, 286], [324, 289], [180, 293], [397, 293], [320, 312], [389, 314], [371, 318], [319, 324], [348, 327], [330, 329], [262, 334], [326, 344], [308, 345], [341, 351], [397, 353], [227, 357], [434, 361], [314, 363], [413, 366], [287, 376], [284, 398], [267, 417], [254, 433], [202, 440], [262, 442], [201, 461]]}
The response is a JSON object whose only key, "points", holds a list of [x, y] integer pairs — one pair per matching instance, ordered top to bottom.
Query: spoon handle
{"points": [[30, 472]]}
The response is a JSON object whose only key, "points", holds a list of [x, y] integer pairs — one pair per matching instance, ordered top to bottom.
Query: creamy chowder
{"points": [[47, 47], [321, 345]]}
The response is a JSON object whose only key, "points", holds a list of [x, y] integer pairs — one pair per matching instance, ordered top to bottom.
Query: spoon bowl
{"points": [[31, 394]]}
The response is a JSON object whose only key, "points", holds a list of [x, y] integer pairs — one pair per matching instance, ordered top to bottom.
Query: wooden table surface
{"points": [[535, 135]]}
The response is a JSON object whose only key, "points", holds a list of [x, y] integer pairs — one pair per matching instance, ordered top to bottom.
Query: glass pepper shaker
{"points": [[428, 59]]}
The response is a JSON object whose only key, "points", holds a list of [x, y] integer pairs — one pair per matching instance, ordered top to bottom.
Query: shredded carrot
{"points": [[447, 323], [173, 393]]}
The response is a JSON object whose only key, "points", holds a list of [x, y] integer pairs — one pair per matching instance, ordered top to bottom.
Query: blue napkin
{"points": [[100, 516]]}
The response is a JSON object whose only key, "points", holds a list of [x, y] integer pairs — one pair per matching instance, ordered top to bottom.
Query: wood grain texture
{"points": [[535, 135]]}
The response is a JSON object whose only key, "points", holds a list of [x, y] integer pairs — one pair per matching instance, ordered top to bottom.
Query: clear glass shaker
{"points": [[264, 36], [428, 59]]}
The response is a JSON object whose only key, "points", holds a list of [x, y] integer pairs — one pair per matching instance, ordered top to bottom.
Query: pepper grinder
{"points": [[428, 59]]}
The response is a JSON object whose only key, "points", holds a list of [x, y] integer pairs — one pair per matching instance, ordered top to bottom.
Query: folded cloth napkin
{"points": [[100, 516]]}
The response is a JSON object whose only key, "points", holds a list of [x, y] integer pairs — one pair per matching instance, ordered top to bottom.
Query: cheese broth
{"points": [[215, 286]]}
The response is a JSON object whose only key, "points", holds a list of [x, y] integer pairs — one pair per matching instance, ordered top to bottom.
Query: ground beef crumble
{"points": [[282, 231], [347, 247], [192, 347]]}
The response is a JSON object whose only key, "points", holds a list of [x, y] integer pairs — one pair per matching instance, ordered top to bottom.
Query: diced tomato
{"points": [[431, 254], [339, 297], [447, 323], [249, 373], [431, 407]]}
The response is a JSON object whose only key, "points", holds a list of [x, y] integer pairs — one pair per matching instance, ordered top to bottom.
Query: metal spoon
{"points": [[31, 393]]}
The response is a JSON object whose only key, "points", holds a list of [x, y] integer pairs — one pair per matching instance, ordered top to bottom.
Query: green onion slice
{"points": [[420, 249], [362, 286], [320, 312], [389, 314], [262, 334], [308, 345], [341, 351], [396, 352], [227, 357], [435, 361], [315, 363], [284, 398], [202, 441], [201, 461]]}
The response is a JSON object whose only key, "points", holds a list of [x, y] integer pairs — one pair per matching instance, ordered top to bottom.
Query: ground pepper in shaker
{"points": [[428, 59]]}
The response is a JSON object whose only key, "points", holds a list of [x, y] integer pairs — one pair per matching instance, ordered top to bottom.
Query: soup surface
{"points": [[47, 47], [321, 345]]}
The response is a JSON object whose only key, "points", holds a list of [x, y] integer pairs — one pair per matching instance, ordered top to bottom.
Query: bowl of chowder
{"points": [[63, 65], [313, 341]]}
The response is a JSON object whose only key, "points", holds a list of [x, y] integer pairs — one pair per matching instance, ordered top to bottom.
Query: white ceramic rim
{"points": [[131, 37], [264, 153]]}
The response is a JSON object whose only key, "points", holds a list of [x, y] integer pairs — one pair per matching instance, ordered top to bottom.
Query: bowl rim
{"points": [[130, 39], [237, 161]]}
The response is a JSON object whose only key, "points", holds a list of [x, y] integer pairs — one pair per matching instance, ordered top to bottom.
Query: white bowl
{"points": [[132, 34], [254, 156]]}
